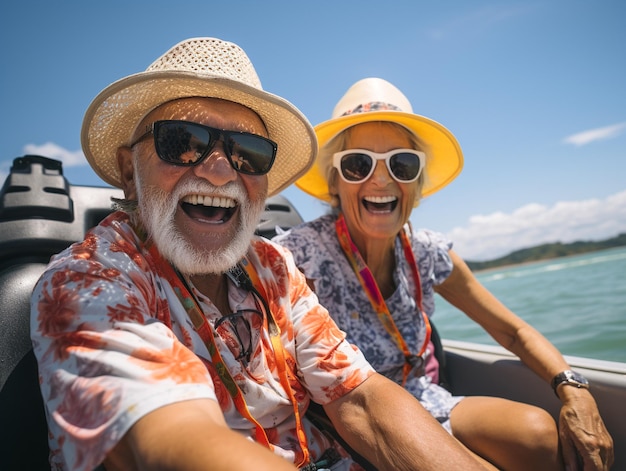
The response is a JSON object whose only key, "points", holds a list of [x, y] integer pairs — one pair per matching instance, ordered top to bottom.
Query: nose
{"points": [[216, 168], [381, 174]]}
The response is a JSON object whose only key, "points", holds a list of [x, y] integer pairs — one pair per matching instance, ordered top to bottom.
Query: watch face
{"points": [[569, 377], [578, 378]]}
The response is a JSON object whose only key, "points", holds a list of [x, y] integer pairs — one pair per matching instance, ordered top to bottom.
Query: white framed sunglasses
{"points": [[357, 165]]}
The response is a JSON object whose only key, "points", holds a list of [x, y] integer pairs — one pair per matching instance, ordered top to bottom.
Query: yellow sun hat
{"points": [[375, 99]]}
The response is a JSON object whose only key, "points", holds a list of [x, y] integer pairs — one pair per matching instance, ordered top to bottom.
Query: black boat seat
{"points": [[40, 215]]}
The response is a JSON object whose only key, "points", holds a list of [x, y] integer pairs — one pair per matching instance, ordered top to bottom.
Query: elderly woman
{"points": [[377, 277]]}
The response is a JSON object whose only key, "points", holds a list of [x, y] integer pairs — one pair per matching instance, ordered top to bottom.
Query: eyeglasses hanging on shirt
{"points": [[241, 331]]}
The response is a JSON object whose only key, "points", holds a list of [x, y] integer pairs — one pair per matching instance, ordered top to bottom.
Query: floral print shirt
{"points": [[318, 253], [114, 342]]}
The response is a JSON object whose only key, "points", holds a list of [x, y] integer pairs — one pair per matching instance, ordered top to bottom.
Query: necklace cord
{"points": [[368, 282]]}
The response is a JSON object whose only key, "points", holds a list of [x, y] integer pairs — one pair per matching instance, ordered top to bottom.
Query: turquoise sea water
{"points": [[577, 302]]}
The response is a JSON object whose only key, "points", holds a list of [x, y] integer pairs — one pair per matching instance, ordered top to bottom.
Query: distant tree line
{"points": [[548, 251]]}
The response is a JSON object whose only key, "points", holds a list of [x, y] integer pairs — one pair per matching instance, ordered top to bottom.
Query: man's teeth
{"points": [[380, 199], [215, 201]]}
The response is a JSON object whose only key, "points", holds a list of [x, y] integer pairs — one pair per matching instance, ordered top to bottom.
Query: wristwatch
{"points": [[569, 377]]}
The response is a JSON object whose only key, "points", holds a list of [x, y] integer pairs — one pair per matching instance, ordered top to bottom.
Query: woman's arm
{"points": [[465, 292], [581, 427]]}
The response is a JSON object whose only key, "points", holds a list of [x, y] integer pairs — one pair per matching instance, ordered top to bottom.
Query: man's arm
{"points": [[389, 427], [190, 435]]}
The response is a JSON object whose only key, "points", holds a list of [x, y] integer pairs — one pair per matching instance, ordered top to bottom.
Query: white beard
{"points": [[156, 212]]}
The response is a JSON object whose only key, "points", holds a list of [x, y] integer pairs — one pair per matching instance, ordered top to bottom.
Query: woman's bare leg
{"points": [[511, 435]]}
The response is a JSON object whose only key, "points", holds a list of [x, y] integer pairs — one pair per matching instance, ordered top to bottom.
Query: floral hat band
{"points": [[372, 106]]}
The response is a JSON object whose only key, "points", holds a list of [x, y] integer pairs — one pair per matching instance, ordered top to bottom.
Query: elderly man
{"points": [[171, 337]]}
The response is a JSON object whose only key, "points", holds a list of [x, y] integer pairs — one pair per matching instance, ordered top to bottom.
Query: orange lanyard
{"points": [[370, 287], [192, 306], [279, 352]]}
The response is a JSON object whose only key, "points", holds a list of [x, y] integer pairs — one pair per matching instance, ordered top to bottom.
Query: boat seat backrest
{"points": [[23, 429]]}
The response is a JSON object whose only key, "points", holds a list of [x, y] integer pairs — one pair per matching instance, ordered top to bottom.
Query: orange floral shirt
{"points": [[114, 342]]}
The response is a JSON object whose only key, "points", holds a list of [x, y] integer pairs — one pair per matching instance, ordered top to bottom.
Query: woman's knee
{"points": [[488, 419], [541, 428], [505, 432]]}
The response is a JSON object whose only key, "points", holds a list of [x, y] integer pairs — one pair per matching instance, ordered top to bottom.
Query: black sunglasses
{"points": [[185, 143], [245, 326]]}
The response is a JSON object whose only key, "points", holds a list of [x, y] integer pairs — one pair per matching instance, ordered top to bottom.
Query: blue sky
{"points": [[535, 92]]}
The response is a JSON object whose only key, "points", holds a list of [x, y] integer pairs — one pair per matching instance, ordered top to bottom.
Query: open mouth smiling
{"points": [[380, 204], [210, 209]]}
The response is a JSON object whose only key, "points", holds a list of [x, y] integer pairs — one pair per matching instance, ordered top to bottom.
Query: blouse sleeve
{"points": [[432, 251]]}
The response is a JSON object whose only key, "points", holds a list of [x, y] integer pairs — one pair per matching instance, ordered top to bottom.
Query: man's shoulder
{"points": [[112, 237], [266, 253]]}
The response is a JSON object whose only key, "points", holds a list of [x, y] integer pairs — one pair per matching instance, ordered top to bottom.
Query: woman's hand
{"points": [[585, 442]]}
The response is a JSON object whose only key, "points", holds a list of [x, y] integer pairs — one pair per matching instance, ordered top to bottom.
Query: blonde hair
{"points": [[338, 143]]}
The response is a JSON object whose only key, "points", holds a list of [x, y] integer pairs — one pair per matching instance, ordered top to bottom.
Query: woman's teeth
{"points": [[380, 199], [380, 204]]}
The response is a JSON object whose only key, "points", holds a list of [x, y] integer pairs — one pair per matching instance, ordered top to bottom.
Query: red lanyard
{"points": [[370, 287], [192, 306]]}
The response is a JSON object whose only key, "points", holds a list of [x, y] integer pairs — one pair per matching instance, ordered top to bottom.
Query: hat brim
{"points": [[113, 115], [445, 158]]}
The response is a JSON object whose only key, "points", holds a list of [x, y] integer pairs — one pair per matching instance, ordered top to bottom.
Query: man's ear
{"points": [[127, 172]]}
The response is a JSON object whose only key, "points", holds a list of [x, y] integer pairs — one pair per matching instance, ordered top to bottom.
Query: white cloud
{"points": [[598, 134], [50, 149], [491, 236]]}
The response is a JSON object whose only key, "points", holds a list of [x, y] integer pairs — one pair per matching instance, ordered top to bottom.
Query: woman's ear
{"points": [[127, 172], [332, 182], [333, 191]]}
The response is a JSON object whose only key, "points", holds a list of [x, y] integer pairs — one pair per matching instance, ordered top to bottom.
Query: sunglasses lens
{"points": [[181, 143], [186, 143], [251, 154], [356, 166], [405, 166]]}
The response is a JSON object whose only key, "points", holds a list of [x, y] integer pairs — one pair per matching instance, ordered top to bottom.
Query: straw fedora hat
{"points": [[202, 67], [375, 99]]}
